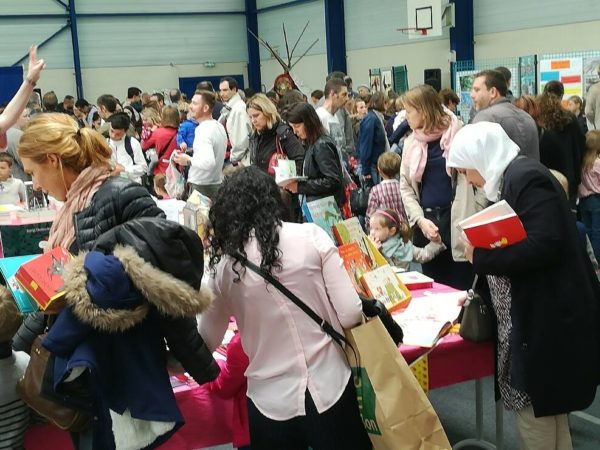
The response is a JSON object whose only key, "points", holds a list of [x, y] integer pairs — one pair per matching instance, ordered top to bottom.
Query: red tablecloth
{"points": [[208, 418]]}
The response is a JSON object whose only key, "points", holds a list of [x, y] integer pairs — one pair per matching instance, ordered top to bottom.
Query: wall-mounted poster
{"points": [[591, 67], [569, 71], [527, 75], [400, 79], [375, 80], [387, 81], [464, 83]]}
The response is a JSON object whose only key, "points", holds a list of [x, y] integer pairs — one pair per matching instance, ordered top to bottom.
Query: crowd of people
{"points": [[424, 171]]}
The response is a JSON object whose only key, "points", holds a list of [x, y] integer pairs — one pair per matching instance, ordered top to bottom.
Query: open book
{"points": [[285, 171], [494, 227], [428, 318]]}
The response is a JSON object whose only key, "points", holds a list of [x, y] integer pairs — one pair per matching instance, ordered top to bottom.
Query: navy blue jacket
{"points": [[371, 141]]}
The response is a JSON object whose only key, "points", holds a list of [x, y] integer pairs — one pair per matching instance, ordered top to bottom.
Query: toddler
{"points": [[186, 133], [160, 182], [12, 190], [392, 237], [14, 413]]}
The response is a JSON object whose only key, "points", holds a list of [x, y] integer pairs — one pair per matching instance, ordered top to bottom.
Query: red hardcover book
{"points": [[494, 227], [355, 263], [42, 279], [415, 280]]}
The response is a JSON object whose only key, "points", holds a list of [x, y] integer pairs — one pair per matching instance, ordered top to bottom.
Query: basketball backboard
{"points": [[424, 15]]}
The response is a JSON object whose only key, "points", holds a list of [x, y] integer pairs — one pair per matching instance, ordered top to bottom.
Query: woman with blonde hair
{"points": [[271, 135], [435, 198], [133, 282]]}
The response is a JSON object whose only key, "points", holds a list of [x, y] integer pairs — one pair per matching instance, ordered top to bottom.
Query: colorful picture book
{"points": [[324, 212], [495, 227], [23, 239], [355, 263], [8, 268], [41, 277], [415, 280], [383, 284], [426, 319]]}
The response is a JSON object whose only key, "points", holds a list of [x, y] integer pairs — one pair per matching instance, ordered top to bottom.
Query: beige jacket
{"points": [[467, 201]]}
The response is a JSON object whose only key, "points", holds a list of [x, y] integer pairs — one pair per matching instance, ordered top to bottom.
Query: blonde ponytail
{"points": [[59, 134]]}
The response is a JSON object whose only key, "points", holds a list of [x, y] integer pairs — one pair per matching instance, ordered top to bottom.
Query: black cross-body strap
{"points": [[325, 326]]}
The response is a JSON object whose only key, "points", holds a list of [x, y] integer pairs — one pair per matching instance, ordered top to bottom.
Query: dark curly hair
{"points": [[247, 203]]}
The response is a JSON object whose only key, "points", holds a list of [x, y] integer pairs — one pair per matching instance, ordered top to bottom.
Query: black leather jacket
{"points": [[262, 146], [323, 168]]}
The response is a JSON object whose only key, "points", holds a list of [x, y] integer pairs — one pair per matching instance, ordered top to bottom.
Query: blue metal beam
{"points": [[282, 5], [111, 15], [335, 31], [462, 35], [75, 42], [43, 43], [254, 80]]}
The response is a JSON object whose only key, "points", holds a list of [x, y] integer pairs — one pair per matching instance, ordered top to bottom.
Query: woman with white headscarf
{"points": [[544, 291]]}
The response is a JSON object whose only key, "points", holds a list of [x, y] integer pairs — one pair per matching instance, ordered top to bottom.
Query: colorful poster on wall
{"points": [[591, 69], [569, 71], [527, 75], [375, 80], [464, 83]]}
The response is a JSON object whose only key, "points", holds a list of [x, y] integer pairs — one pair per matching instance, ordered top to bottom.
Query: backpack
{"points": [[145, 179]]}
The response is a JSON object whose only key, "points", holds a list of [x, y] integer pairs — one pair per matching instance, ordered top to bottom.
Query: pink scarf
{"points": [[416, 154], [79, 196]]}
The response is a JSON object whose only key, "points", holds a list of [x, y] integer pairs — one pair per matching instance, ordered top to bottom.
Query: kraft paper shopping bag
{"points": [[396, 412]]}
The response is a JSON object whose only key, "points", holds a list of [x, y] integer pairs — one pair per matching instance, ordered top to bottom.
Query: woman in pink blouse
{"points": [[300, 392]]}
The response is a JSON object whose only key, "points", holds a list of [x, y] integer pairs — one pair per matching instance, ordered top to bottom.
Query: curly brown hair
{"points": [[552, 115]]}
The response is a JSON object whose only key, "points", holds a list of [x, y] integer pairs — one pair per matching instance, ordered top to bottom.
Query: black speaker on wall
{"points": [[433, 77]]}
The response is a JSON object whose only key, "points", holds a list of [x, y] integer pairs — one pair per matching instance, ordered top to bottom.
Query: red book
{"points": [[495, 227], [355, 263], [42, 279], [415, 280]]}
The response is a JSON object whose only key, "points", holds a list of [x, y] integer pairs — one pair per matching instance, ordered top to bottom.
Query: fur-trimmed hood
{"points": [[103, 298]]}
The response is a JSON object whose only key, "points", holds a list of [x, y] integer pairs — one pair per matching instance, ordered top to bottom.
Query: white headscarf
{"points": [[485, 147]]}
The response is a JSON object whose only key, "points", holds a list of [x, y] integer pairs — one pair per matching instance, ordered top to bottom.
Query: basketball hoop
{"points": [[414, 31]]}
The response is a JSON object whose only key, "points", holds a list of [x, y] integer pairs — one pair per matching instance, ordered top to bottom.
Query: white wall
{"points": [[552, 39], [417, 57], [116, 80]]}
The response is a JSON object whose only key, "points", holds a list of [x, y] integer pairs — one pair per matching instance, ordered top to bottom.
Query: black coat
{"points": [[262, 146], [563, 151], [323, 168], [117, 201], [555, 309]]}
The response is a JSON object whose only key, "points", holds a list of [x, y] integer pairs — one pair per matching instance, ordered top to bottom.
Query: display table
{"points": [[208, 418]]}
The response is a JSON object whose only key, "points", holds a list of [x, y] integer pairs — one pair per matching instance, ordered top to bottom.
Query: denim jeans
{"points": [[374, 177], [589, 209]]}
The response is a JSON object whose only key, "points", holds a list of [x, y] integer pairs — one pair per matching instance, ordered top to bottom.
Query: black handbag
{"points": [[359, 201], [371, 307], [477, 323]]}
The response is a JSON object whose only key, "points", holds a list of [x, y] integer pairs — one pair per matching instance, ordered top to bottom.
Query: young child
{"points": [[150, 122], [186, 133], [160, 182], [589, 189], [12, 190], [386, 195], [392, 237], [231, 383], [14, 413]]}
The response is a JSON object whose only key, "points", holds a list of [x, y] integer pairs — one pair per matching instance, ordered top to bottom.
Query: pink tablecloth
{"points": [[208, 418], [207, 423]]}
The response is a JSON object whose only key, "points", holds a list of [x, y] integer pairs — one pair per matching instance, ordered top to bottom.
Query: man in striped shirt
{"points": [[14, 413]]}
